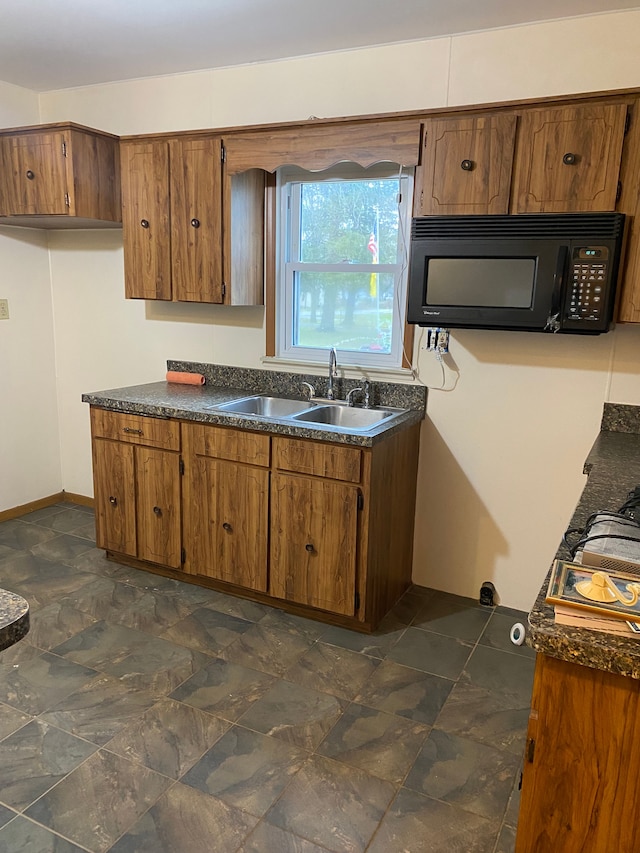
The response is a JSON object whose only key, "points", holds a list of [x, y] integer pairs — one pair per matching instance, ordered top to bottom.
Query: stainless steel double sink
{"points": [[332, 414]]}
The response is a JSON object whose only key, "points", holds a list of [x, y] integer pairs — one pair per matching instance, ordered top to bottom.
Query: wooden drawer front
{"points": [[137, 429], [236, 445], [323, 460]]}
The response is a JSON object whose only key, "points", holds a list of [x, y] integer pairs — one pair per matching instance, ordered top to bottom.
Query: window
{"points": [[342, 264]]}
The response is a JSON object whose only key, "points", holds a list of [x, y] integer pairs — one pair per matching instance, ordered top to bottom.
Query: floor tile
{"points": [[38, 515], [64, 521], [19, 536], [62, 548], [42, 582], [103, 598], [242, 608], [406, 609], [153, 612], [442, 615], [53, 624], [297, 626], [207, 630], [498, 630], [103, 644], [375, 645], [266, 649], [429, 652], [18, 653], [158, 666], [330, 669], [41, 683], [224, 689], [406, 692], [491, 702], [99, 709], [293, 713], [11, 720], [169, 738], [382, 744], [34, 759], [246, 769], [476, 777], [100, 800], [335, 806], [6, 815], [184, 820], [419, 824], [24, 836], [267, 838], [506, 840]]}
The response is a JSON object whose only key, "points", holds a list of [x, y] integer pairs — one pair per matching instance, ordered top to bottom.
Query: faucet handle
{"points": [[309, 388], [367, 394], [349, 397]]}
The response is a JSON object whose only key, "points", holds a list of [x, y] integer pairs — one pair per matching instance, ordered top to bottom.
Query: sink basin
{"points": [[266, 407], [346, 417]]}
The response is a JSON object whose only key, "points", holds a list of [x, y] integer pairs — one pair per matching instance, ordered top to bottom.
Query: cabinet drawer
{"points": [[136, 429], [235, 445], [322, 460]]}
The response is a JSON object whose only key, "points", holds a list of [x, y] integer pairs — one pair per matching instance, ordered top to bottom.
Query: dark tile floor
{"points": [[142, 715]]}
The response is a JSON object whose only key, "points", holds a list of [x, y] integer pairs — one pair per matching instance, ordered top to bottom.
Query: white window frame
{"points": [[288, 189]]}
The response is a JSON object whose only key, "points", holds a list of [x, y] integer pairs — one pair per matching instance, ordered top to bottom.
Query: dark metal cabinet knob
{"points": [[569, 159], [467, 165], [30, 174], [144, 223], [195, 223], [113, 501], [157, 511], [226, 526], [310, 547]]}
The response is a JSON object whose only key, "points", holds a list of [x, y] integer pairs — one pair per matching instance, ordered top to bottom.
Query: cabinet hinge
{"points": [[627, 122], [64, 149], [223, 153], [618, 191], [67, 200], [224, 289], [182, 466], [360, 500], [183, 555], [356, 602], [531, 748]]}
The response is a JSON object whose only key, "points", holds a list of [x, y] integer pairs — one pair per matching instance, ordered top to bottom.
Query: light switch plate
{"points": [[4, 309]]}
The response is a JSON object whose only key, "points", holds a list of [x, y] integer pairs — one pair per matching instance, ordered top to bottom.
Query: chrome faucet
{"points": [[333, 372]]}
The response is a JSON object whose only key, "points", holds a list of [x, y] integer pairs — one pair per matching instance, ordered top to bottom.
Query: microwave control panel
{"points": [[587, 293]]}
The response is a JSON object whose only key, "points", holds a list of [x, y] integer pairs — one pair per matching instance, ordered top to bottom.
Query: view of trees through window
{"points": [[335, 224]]}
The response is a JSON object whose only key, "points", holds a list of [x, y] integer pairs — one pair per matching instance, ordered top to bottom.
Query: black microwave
{"points": [[532, 272]]}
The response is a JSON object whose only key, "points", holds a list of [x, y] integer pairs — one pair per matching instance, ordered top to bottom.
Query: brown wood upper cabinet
{"points": [[569, 158], [466, 165], [59, 176], [180, 214]]}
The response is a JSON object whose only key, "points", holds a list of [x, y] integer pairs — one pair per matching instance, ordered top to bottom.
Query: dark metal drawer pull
{"points": [[569, 159], [467, 165], [30, 174], [144, 223], [195, 223], [132, 430], [113, 501], [157, 510], [226, 526], [310, 547]]}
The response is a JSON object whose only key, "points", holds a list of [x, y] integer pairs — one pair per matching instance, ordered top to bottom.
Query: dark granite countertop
{"points": [[223, 383], [613, 468], [14, 618]]}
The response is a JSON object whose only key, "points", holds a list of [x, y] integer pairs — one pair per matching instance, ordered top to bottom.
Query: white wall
{"points": [[29, 440], [502, 453]]}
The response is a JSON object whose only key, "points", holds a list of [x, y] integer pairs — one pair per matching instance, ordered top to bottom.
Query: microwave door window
{"points": [[481, 282]]}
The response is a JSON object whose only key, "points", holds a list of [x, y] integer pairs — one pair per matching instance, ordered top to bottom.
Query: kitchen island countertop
{"points": [[14, 618]]}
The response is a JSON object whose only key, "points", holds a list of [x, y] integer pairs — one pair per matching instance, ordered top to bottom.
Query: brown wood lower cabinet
{"points": [[137, 486], [322, 529], [582, 762]]}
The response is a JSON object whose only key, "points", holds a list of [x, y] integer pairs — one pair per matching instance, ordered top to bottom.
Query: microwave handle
{"points": [[553, 320]]}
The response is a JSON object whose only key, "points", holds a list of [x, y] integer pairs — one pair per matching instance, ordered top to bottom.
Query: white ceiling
{"points": [[57, 44]]}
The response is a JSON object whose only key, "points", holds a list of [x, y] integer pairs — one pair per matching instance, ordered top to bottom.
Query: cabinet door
{"points": [[569, 159], [466, 165], [34, 179], [145, 219], [196, 219], [114, 489], [158, 506], [231, 522], [313, 542]]}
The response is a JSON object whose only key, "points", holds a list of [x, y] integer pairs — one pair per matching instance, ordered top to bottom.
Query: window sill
{"points": [[346, 370]]}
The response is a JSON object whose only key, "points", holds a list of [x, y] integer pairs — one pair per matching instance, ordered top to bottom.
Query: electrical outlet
{"points": [[4, 309]]}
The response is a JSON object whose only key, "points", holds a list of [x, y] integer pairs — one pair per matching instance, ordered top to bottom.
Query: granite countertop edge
{"points": [[193, 403], [613, 469], [14, 618]]}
